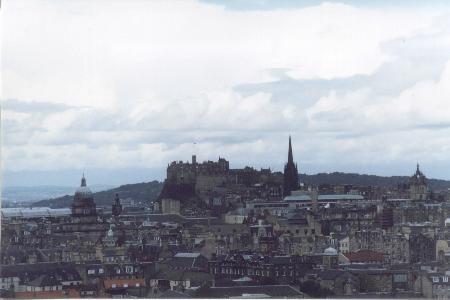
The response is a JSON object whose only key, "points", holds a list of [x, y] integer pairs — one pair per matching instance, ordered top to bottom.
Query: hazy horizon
{"points": [[71, 178]]}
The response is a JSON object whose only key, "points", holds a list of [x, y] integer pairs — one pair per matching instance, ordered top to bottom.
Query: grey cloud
{"points": [[413, 59]]}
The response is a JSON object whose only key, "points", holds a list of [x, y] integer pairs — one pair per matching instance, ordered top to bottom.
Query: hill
{"points": [[367, 180], [150, 191], [141, 192]]}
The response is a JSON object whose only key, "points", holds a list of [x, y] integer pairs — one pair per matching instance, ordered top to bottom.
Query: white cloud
{"points": [[142, 81]]}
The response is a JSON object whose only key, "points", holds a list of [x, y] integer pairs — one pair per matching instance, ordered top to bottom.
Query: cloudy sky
{"points": [[119, 89]]}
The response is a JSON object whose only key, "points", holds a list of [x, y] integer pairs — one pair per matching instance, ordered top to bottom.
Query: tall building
{"points": [[290, 173], [418, 188], [83, 205], [84, 221]]}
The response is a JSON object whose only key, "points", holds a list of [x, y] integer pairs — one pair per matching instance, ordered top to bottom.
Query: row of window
{"points": [[297, 231], [128, 270], [257, 272], [436, 278], [125, 285]]}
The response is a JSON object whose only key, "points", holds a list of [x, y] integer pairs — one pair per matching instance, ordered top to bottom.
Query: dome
{"points": [[83, 192], [83, 202], [330, 251]]}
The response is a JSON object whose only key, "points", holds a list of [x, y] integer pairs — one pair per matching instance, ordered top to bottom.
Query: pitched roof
{"points": [[189, 255], [364, 256], [64, 271], [45, 280], [277, 291], [173, 295]]}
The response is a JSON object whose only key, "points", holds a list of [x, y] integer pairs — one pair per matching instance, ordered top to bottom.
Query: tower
{"points": [[290, 173], [418, 188], [116, 207]]}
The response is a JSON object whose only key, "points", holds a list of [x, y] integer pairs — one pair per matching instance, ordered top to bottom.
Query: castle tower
{"points": [[290, 173]]}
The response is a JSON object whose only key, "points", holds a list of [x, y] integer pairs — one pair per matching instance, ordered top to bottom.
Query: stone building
{"points": [[186, 173], [290, 173], [418, 188], [83, 206], [170, 206], [84, 220], [422, 248]]}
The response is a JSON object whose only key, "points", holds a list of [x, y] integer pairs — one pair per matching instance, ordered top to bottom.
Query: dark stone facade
{"points": [[290, 173]]}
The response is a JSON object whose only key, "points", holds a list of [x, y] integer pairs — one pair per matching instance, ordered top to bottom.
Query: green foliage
{"points": [[314, 290]]}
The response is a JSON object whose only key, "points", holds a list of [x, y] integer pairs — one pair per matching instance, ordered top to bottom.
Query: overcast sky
{"points": [[118, 89]]}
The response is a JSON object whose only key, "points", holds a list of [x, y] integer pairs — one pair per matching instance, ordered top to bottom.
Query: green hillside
{"points": [[141, 192]]}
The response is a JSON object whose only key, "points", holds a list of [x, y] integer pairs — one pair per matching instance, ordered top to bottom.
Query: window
{"points": [[129, 269], [91, 271], [100, 271], [400, 278], [435, 279], [445, 279], [113, 285], [125, 285], [138, 285]]}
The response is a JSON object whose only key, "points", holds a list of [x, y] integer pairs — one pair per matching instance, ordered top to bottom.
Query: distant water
{"points": [[20, 194]]}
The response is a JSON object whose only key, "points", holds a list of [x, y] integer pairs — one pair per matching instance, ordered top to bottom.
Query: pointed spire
{"points": [[290, 156], [418, 167], [83, 181]]}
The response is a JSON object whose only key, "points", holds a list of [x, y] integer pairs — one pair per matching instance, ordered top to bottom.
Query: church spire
{"points": [[290, 156], [290, 173], [83, 180]]}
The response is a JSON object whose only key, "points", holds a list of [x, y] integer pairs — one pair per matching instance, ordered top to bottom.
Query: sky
{"points": [[119, 89]]}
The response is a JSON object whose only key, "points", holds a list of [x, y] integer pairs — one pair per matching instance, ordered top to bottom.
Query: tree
{"points": [[313, 289]]}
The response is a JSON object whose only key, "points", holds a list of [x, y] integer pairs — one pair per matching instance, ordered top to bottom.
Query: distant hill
{"points": [[367, 180], [150, 191], [143, 192], [20, 194]]}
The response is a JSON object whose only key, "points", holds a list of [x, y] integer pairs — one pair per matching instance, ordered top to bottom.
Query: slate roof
{"points": [[280, 260], [187, 261], [30, 272], [326, 274], [184, 275], [45, 280], [275, 291], [169, 294]]}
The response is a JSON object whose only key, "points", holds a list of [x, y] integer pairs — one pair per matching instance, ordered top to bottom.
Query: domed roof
{"points": [[83, 191], [83, 203], [330, 251]]}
